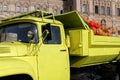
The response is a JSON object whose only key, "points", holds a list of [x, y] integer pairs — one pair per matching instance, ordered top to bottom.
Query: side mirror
{"points": [[46, 32], [30, 35]]}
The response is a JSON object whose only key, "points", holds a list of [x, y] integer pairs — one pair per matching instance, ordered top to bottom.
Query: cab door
{"points": [[53, 57]]}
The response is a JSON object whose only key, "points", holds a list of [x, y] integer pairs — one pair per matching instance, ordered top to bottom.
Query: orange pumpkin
{"points": [[97, 24], [105, 28], [94, 30], [109, 30], [114, 30], [99, 31], [105, 34], [109, 34]]}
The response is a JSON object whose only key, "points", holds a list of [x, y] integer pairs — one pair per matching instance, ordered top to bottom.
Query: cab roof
{"points": [[38, 16], [69, 20]]}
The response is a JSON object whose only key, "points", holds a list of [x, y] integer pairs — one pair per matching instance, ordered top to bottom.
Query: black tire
{"points": [[85, 76], [16, 77]]}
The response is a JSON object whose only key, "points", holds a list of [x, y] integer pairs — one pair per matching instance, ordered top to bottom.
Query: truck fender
{"points": [[9, 67]]}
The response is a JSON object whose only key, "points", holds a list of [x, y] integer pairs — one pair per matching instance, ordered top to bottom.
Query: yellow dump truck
{"points": [[40, 46]]}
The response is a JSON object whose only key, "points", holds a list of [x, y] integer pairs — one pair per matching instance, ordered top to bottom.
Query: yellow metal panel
{"points": [[72, 20], [103, 40], [79, 42], [102, 49], [53, 59], [53, 63], [19, 65]]}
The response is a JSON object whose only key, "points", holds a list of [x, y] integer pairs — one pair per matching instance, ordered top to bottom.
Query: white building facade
{"points": [[100, 10]]}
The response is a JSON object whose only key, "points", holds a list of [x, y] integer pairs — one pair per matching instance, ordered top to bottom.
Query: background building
{"points": [[13, 7], [105, 11]]}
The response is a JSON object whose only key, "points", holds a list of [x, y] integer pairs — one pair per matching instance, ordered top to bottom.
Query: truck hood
{"points": [[12, 49], [12, 66]]}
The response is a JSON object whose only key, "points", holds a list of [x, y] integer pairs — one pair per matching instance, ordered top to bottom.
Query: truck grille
{"points": [[4, 50]]}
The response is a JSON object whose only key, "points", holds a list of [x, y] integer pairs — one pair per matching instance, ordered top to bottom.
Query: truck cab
{"points": [[33, 47]]}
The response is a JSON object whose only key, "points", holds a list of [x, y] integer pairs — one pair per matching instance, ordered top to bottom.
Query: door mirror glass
{"points": [[30, 35]]}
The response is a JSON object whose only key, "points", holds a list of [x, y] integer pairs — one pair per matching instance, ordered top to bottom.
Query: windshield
{"points": [[18, 32]]}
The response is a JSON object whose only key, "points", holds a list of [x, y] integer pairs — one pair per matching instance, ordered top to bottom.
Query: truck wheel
{"points": [[85, 76], [16, 77], [117, 77]]}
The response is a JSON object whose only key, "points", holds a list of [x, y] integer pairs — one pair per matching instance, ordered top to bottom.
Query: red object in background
{"points": [[91, 23], [94, 24], [97, 25], [103, 31]]}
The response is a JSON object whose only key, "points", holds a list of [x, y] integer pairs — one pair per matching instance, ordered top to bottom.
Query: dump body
{"points": [[87, 49]]}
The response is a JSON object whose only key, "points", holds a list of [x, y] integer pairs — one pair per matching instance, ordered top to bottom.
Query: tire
{"points": [[86, 76], [16, 77]]}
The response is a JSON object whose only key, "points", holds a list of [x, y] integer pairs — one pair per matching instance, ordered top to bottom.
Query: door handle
{"points": [[62, 50]]}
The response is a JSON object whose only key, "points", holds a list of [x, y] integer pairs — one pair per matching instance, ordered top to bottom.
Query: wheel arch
{"points": [[16, 67]]}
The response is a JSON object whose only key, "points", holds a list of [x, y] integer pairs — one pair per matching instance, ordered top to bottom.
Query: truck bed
{"points": [[86, 48], [89, 49]]}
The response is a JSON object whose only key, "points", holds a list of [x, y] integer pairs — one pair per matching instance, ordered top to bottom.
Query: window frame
{"points": [[5, 8], [84, 8], [18, 9], [25, 9], [96, 9], [102, 10], [108, 11], [118, 11], [36, 38], [60, 38]]}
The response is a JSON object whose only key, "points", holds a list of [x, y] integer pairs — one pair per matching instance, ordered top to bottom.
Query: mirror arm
{"points": [[45, 32]]}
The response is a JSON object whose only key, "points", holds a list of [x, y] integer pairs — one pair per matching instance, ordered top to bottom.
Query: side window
{"points": [[53, 37]]}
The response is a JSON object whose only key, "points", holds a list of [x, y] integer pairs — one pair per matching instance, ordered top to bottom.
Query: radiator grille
{"points": [[4, 50]]}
